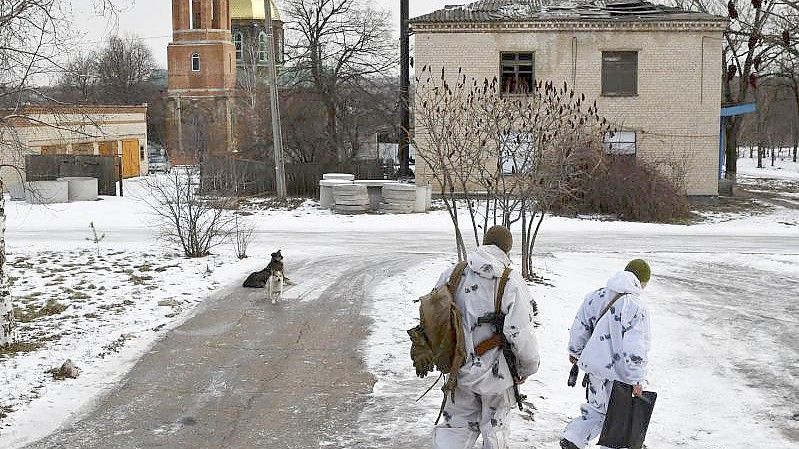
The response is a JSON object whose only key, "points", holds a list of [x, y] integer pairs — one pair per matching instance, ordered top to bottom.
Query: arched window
{"points": [[238, 41], [262, 47], [195, 62]]}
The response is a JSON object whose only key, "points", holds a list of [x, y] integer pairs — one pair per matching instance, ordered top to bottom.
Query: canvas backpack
{"points": [[437, 343]]}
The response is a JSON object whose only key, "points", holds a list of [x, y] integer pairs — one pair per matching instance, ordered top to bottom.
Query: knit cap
{"points": [[500, 237], [640, 269]]}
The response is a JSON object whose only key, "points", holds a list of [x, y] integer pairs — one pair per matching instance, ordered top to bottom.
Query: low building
{"points": [[653, 70], [74, 130]]}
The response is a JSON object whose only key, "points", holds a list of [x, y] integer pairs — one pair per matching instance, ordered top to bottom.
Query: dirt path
{"points": [[245, 374]]}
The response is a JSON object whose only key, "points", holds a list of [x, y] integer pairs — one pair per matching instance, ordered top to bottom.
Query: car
{"points": [[158, 161]]}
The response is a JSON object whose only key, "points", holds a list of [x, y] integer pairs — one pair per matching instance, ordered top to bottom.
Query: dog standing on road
{"points": [[275, 286]]}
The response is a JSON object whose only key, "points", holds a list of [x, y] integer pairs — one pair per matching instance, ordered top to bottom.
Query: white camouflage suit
{"points": [[616, 350], [484, 396]]}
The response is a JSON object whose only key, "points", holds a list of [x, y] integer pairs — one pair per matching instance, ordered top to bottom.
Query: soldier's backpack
{"points": [[437, 343]]}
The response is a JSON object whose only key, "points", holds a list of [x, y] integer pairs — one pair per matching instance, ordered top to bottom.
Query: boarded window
{"points": [[195, 62], [517, 72], [619, 73], [621, 143], [83, 149]]}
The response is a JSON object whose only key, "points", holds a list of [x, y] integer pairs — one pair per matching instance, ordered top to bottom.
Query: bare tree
{"points": [[760, 33], [34, 34], [339, 43], [123, 66], [78, 84], [506, 158], [197, 224], [241, 235]]}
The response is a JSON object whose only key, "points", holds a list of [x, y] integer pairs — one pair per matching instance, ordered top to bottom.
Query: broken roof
{"points": [[543, 10]]}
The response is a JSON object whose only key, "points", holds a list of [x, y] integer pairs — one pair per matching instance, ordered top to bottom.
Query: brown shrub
{"points": [[633, 190]]}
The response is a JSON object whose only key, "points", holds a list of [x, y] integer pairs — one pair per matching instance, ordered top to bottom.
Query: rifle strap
{"points": [[503, 282], [607, 307], [496, 340]]}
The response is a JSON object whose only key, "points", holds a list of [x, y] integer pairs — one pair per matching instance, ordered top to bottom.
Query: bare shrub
{"points": [[633, 190], [196, 223], [241, 235]]}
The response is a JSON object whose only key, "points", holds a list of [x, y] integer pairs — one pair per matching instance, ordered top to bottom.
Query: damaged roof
{"points": [[543, 10]]}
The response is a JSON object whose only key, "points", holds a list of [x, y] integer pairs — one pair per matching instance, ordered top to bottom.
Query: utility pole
{"points": [[405, 82], [277, 129]]}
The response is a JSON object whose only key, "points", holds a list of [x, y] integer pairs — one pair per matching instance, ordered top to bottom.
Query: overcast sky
{"points": [[151, 20]]}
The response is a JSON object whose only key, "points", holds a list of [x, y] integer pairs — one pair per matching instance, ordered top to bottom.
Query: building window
{"points": [[195, 13], [216, 19], [238, 41], [263, 54], [195, 62], [518, 72], [619, 73], [621, 143], [518, 153]]}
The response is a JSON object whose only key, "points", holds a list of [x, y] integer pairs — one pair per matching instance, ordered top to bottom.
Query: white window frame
{"points": [[238, 41], [195, 58], [621, 143], [511, 167]]}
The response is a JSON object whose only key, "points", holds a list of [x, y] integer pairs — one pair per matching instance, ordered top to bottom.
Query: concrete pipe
{"points": [[338, 176], [82, 188], [326, 191], [47, 192], [351, 198]]}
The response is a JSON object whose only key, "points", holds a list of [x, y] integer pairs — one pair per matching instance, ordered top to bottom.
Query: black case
{"points": [[627, 419]]}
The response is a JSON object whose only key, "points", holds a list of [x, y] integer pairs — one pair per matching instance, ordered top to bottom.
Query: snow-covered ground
{"points": [[784, 168], [709, 347], [724, 355], [707, 398]]}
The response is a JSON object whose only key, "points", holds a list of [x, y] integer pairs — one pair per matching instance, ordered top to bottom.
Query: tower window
{"points": [[195, 11], [238, 41], [262, 47], [195, 62]]}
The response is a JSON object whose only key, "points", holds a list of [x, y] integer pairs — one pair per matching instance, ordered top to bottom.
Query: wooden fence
{"points": [[51, 167], [248, 177]]}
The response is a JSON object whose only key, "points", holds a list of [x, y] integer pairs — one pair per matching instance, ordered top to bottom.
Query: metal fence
{"points": [[51, 167], [248, 177]]}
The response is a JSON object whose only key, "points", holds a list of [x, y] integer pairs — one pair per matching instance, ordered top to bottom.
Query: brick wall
{"points": [[676, 111]]}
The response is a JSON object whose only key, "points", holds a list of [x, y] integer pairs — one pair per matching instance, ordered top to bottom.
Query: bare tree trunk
{"points": [[525, 248], [7, 324]]}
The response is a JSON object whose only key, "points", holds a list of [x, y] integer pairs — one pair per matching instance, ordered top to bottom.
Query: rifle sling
{"points": [[607, 307], [496, 340]]}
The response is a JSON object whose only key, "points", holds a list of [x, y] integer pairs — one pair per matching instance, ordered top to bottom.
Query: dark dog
{"points": [[259, 279]]}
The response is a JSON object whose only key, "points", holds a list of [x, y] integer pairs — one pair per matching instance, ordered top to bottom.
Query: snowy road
{"points": [[244, 373]]}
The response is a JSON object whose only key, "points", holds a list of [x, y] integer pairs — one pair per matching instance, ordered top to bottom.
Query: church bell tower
{"points": [[202, 81]]}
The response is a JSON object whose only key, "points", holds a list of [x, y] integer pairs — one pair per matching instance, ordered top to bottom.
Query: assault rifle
{"points": [[497, 319]]}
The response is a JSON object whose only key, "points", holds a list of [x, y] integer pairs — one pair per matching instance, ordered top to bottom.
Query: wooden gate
{"points": [[131, 166]]}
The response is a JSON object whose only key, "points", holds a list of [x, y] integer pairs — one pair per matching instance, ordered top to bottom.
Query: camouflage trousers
{"points": [[471, 415], [588, 425]]}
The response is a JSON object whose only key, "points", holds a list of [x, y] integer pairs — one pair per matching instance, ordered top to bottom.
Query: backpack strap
{"points": [[455, 277]]}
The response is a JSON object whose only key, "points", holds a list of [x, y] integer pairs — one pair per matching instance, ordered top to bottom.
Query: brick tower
{"points": [[202, 81]]}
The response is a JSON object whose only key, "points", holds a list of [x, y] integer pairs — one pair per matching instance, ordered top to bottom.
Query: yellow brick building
{"points": [[653, 70]]}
